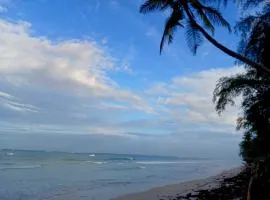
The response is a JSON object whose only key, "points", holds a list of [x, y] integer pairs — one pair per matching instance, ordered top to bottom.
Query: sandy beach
{"points": [[170, 191]]}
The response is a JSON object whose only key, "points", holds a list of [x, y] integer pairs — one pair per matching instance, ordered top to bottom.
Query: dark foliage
{"points": [[254, 88]]}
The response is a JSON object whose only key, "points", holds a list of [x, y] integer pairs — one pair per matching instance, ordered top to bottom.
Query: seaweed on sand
{"points": [[230, 189]]}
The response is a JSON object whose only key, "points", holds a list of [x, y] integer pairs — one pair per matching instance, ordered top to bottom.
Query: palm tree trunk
{"points": [[222, 47], [232, 53], [250, 184]]}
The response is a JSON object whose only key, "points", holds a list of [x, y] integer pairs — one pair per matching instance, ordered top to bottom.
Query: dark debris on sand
{"points": [[234, 188]]}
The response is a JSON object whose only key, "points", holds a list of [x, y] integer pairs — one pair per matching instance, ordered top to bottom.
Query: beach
{"points": [[172, 191]]}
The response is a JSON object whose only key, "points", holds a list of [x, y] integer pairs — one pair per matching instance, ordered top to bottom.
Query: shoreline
{"points": [[183, 188]]}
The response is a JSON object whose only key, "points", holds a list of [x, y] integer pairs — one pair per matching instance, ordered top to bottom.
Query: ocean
{"points": [[44, 175]]}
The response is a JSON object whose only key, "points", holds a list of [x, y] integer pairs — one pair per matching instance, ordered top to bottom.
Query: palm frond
{"points": [[216, 2], [247, 4], [154, 5], [198, 7], [209, 16], [216, 17], [171, 24], [245, 24], [255, 31], [193, 37], [228, 88]]}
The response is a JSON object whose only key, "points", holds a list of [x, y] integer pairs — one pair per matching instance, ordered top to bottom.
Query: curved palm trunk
{"points": [[222, 47], [230, 52], [250, 184]]}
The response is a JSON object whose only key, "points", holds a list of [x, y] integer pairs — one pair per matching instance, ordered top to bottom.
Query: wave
{"points": [[10, 154], [92, 155], [121, 158], [96, 162], [99, 162], [165, 162], [21, 167], [142, 167]]}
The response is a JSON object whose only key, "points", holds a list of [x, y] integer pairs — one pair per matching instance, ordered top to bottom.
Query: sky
{"points": [[87, 76]]}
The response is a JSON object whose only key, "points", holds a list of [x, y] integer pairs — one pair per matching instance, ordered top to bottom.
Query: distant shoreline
{"points": [[171, 191]]}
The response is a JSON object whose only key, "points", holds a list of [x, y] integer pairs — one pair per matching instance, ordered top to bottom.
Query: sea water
{"points": [[41, 175]]}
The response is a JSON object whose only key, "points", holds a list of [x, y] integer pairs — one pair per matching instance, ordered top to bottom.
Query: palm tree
{"points": [[188, 14], [254, 86], [255, 121]]}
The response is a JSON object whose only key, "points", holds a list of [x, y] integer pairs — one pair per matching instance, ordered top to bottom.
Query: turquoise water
{"points": [[34, 175]]}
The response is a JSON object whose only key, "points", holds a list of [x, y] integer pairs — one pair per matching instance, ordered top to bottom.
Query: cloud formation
{"points": [[73, 66], [66, 87], [187, 99]]}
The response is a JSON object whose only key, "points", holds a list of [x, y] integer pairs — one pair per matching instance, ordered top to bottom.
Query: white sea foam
{"points": [[10, 154], [92, 155], [97, 162], [165, 162], [142, 167]]}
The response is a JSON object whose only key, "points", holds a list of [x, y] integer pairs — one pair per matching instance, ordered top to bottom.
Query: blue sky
{"points": [[88, 76]]}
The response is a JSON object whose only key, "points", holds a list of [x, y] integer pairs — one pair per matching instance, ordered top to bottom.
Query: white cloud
{"points": [[104, 40], [79, 67], [63, 84], [65, 87], [5, 95], [188, 99], [10, 102], [20, 107]]}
